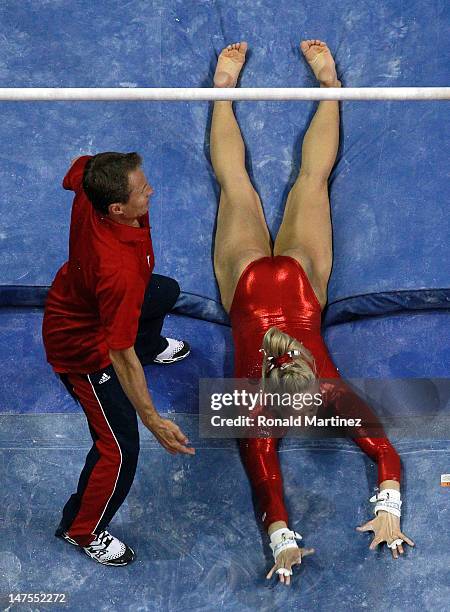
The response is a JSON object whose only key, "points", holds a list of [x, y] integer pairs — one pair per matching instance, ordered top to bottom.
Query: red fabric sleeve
{"points": [[74, 177], [119, 303], [369, 436], [260, 459]]}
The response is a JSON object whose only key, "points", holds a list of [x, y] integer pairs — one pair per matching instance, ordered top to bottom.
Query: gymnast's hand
{"points": [[169, 435], [386, 528], [286, 559]]}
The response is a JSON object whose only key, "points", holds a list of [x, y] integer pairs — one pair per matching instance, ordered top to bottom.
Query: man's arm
{"points": [[74, 176], [132, 379]]}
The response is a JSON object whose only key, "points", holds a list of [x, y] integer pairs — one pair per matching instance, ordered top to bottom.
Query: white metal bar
{"points": [[51, 94]]}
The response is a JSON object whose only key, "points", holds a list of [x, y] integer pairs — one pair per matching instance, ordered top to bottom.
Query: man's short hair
{"points": [[105, 179]]}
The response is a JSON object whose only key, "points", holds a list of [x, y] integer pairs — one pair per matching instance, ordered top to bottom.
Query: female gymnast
{"points": [[275, 294]]}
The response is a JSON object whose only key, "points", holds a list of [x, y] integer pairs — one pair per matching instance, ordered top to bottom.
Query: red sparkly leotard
{"points": [[275, 291]]}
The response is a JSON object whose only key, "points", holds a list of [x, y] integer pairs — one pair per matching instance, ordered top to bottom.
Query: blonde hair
{"points": [[298, 374]]}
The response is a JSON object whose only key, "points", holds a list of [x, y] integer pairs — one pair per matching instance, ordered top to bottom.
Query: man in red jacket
{"points": [[102, 322]]}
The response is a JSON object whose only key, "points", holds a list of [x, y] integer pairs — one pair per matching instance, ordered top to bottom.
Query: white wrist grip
{"points": [[388, 500], [283, 538]]}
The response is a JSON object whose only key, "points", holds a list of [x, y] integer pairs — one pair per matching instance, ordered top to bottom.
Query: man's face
{"points": [[140, 192]]}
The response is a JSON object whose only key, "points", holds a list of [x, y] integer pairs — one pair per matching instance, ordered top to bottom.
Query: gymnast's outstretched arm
{"points": [[371, 438], [260, 459]]}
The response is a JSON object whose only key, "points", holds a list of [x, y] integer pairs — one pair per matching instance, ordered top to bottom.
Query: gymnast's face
{"points": [[140, 192]]}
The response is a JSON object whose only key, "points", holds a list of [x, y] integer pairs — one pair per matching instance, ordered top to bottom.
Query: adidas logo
{"points": [[104, 378]]}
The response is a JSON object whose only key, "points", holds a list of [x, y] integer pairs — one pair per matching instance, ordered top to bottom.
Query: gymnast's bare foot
{"points": [[321, 61], [229, 65]]}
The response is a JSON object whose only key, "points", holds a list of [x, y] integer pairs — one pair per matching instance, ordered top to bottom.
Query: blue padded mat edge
{"points": [[204, 308]]}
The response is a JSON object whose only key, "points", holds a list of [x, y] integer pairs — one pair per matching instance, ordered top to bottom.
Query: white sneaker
{"points": [[175, 351], [105, 548], [108, 550]]}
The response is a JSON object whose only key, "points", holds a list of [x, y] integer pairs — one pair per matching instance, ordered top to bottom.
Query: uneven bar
{"points": [[50, 94]]}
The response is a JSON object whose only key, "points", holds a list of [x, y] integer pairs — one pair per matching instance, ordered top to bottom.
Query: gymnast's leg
{"points": [[305, 233], [241, 235]]}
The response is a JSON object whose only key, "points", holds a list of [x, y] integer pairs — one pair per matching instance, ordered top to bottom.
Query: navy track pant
{"points": [[111, 463]]}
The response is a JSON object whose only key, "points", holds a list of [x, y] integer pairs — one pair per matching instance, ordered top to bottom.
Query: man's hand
{"points": [[132, 379], [169, 435], [386, 527], [286, 559]]}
